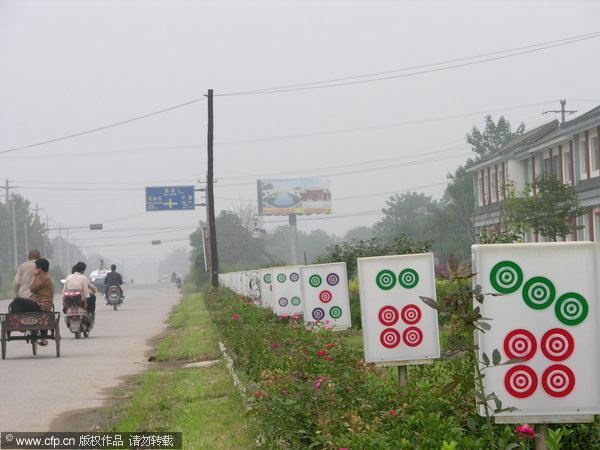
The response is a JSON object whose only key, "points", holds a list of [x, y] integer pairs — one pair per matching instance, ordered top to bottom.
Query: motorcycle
{"points": [[178, 282], [113, 296], [77, 319]]}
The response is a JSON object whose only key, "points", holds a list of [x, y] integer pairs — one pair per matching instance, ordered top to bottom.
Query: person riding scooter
{"points": [[113, 278], [77, 280]]}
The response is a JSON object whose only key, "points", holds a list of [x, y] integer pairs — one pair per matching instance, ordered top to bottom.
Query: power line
{"points": [[343, 81], [94, 130], [281, 137]]}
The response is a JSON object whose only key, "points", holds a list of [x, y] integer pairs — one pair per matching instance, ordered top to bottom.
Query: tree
{"points": [[493, 137], [551, 211], [407, 214], [361, 233]]}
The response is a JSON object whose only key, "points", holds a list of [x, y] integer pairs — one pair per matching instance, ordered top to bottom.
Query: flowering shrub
{"points": [[309, 388]]}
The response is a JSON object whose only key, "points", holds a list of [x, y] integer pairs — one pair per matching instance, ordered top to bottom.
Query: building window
{"points": [[594, 153], [583, 158], [547, 166], [567, 167]]}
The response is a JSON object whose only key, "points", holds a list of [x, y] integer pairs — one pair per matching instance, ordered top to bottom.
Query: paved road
{"points": [[35, 390]]}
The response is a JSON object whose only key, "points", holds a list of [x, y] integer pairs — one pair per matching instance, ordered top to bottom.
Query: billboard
{"points": [[294, 196], [548, 317]]}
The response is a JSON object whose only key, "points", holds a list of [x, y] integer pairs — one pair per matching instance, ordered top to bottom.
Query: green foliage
{"points": [[493, 137], [551, 211], [349, 252], [311, 389]]}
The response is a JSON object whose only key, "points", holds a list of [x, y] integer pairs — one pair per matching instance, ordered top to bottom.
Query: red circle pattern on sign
{"points": [[325, 296], [411, 314], [388, 315], [412, 336], [389, 338], [520, 344], [557, 344], [558, 380], [520, 381]]}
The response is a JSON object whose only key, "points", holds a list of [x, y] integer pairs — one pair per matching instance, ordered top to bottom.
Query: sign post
{"points": [[170, 198]]}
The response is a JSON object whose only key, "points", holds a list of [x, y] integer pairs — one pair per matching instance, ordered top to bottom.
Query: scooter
{"points": [[113, 297], [76, 316]]}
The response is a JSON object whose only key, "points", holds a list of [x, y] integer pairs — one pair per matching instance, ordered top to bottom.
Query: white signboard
{"points": [[266, 288], [287, 292], [325, 294], [549, 317], [397, 325]]}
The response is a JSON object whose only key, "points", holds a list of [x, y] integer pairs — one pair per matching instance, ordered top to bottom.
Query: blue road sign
{"points": [[169, 198]]}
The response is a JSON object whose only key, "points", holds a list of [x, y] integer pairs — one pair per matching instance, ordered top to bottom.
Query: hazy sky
{"points": [[72, 66]]}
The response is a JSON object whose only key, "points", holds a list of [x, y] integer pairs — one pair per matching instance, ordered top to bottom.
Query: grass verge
{"points": [[202, 403]]}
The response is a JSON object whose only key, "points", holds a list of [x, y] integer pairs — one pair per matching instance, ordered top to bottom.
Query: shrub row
{"points": [[309, 388]]}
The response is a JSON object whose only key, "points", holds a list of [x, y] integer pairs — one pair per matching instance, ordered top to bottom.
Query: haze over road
{"points": [[35, 390]]}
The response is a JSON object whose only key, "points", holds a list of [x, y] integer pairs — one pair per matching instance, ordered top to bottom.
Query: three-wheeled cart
{"points": [[26, 326]]}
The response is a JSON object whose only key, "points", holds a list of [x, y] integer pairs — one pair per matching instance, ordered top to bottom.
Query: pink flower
{"points": [[446, 299], [250, 303], [286, 315], [236, 317], [328, 321], [295, 326], [327, 327], [308, 328], [276, 331], [274, 345], [329, 345], [321, 353], [328, 358], [318, 385], [349, 388], [257, 394], [391, 412], [525, 431]]}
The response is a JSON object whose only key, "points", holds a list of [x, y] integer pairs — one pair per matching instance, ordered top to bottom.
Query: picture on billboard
{"points": [[294, 196]]}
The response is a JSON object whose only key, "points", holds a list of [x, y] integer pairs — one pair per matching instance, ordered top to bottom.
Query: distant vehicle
{"points": [[97, 278], [165, 279]]}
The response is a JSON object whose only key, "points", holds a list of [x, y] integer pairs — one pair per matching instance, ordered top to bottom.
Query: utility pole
{"points": [[563, 112], [7, 189], [210, 197], [14, 233]]}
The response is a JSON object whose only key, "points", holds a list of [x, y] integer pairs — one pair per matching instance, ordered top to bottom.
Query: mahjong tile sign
{"points": [[266, 288], [287, 292], [325, 294], [547, 315], [397, 325]]}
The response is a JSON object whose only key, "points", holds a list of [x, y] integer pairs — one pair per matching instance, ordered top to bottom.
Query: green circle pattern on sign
{"points": [[281, 277], [506, 277], [267, 278], [408, 278], [386, 279], [315, 280], [539, 293], [295, 301], [571, 308], [335, 312]]}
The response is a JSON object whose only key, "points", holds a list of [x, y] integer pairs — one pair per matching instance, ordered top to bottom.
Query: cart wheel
{"points": [[115, 306], [77, 334], [3, 339], [34, 343]]}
